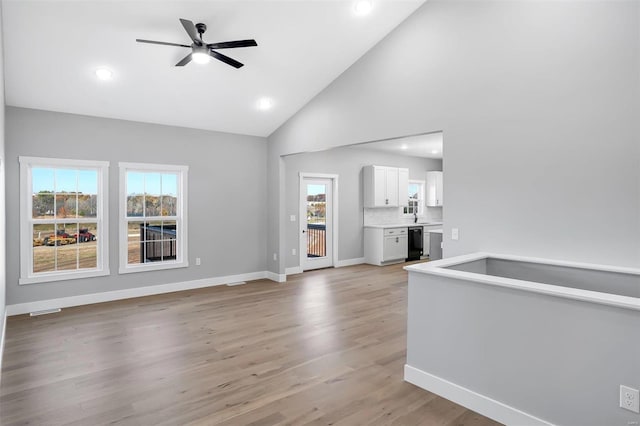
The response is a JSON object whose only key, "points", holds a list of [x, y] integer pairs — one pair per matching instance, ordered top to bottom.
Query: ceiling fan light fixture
{"points": [[363, 7], [200, 56]]}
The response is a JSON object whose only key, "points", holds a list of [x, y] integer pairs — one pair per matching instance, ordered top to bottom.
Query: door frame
{"points": [[302, 211]]}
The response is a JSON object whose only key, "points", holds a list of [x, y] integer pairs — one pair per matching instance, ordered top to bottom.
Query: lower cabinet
{"points": [[426, 238], [383, 246]]}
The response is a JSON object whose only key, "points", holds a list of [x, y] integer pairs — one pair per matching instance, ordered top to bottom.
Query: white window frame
{"points": [[421, 204], [182, 257], [27, 276]]}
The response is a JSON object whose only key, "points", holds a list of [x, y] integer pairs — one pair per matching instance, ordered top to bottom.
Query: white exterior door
{"points": [[316, 219]]}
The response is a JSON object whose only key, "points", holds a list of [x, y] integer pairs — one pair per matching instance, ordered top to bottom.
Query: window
{"points": [[416, 197], [152, 217], [63, 233]]}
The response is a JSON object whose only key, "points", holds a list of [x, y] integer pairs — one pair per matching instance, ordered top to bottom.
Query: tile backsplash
{"points": [[384, 215]]}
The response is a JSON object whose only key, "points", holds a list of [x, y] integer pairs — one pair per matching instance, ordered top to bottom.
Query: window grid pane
{"points": [[152, 197], [64, 204], [152, 216]]}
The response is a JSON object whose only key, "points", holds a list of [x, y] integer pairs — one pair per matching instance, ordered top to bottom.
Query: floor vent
{"points": [[238, 283]]}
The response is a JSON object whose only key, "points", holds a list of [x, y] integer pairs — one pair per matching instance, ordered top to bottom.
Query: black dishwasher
{"points": [[415, 243]]}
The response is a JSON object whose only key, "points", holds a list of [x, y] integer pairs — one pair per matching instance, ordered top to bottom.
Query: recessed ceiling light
{"points": [[363, 7], [104, 74], [264, 104], [404, 146], [435, 151]]}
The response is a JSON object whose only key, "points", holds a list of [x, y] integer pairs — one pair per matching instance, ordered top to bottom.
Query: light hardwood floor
{"points": [[325, 348]]}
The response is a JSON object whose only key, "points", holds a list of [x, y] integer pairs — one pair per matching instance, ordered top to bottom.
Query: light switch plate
{"points": [[292, 218], [454, 233]]}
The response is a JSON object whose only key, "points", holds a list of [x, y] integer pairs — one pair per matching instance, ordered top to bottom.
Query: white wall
{"points": [[539, 104], [347, 163], [227, 193]]}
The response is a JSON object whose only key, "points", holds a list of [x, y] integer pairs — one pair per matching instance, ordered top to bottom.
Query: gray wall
{"points": [[539, 104], [347, 163], [227, 193], [3, 240], [558, 359]]}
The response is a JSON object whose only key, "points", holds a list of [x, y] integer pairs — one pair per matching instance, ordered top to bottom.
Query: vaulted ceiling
{"points": [[53, 48]]}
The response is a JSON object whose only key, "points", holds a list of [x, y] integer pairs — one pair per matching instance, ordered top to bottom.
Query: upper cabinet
{"points": [[385, 186], [403, 187], [434, 189]]}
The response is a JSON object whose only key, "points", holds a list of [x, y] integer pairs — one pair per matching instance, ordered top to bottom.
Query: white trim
{"points": [[180, 217], [302, 249], [350, 262], [338, 264], [152, 266], [439, 268], [293, 270], [27, 276], [62, 276], [279, 278], [108, 296], [472, 400]]}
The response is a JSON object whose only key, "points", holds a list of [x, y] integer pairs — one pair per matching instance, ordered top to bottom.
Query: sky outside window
{"points": [[64, 180], [152, 183]]}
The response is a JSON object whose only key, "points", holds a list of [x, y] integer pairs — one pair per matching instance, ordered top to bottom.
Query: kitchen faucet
{"points": [[415, 217]]}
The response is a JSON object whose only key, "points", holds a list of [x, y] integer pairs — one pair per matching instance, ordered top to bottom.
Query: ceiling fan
{"points": [[201, 52]]}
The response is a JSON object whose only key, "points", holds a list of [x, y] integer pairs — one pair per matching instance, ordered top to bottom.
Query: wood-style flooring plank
{"points": [[325, 348]]}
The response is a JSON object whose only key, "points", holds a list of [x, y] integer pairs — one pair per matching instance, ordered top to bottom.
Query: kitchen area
{"points": [[377, 202], [402, 214], [389, 235]]}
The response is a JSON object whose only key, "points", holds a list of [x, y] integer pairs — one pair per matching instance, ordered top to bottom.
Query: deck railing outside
{"points": [[316, 240]]}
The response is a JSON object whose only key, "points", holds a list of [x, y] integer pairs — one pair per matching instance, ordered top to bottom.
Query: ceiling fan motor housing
{"points": [[201, 28]]}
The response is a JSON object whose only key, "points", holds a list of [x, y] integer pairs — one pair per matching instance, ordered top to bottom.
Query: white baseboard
{"points": [[349, 262], [339, 264], [293, 270], [279, 278], [108, 296], [484, 405]]}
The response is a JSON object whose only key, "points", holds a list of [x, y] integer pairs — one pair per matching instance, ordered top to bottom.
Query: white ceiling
{"points": [[52, 48], [428, 145]]}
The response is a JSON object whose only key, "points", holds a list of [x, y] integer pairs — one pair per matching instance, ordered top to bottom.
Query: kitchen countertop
{"points": [[402, 225]]}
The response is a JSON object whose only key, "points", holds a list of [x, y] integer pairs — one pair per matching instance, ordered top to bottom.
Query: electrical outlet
{"points": [[292, 218], [454, 233], [293, 252], [275, 256], [197, 261], [629, 399]]}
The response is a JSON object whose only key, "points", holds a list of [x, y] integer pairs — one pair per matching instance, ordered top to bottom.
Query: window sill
{"points": [[146, 267], [66, 276]]}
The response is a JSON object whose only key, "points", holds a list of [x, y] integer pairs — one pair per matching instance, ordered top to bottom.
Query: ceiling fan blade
{"points": [[191, 30], [161, 42], [232, 44], [225, 59], [184, 61]]}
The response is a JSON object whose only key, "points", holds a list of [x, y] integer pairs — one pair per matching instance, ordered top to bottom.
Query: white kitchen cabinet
{"points": [[385, 186], [403, 187], [434, 189], [384, 246]]}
